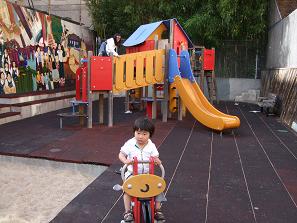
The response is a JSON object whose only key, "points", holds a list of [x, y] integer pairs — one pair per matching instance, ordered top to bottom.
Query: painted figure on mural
{"points": [[50, 37], [64, 37], [1, 38], [1, 47], [60, 54], [48, 57], [5, 58], [39, 58], [6, 69], [15, 71], [55, 72], [15, 74], [56, 78], [40, 80], [2, 82], [47, 82], [62, 82], [9, 87]]}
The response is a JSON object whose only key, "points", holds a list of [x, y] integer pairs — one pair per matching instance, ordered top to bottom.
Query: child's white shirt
{"points": [[131, 150]]}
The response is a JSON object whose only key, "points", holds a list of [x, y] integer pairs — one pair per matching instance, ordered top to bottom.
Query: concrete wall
{"points": [[282, 43], [229, 88]]}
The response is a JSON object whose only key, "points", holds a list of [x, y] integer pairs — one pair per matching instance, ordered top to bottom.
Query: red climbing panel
{"points": [[209, 59], [101, 73]]}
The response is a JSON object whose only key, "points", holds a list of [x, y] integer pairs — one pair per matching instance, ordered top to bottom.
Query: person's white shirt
{"points": [[111, 47], [131, 150]]}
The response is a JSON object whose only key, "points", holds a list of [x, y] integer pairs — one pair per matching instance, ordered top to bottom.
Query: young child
{"points": [[143, 148]]}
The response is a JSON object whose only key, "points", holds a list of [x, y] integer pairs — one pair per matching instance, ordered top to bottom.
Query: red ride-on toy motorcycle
{"points": [[143, 188]]}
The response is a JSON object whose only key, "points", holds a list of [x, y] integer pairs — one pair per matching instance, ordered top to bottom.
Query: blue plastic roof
{"points": [[144, 31], [141, 34]]}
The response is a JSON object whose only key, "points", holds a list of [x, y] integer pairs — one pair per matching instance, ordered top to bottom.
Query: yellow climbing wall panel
{"points": [[159, 64], [119, 69], [138, 69], [130, 71], [149, 71], [140, 78]]}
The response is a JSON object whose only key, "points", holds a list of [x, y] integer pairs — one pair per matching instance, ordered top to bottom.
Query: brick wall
{"points": [[286, 7]]}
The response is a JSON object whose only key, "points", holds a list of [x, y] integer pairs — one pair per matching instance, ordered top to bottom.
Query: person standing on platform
{"points": [[110, 46]]}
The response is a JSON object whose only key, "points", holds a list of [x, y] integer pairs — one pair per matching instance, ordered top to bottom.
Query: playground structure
{"points": [[163, 62]]}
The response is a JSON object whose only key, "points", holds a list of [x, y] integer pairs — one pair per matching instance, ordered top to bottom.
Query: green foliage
{"points": [[110, 17], [207, 22], [57, 28]]}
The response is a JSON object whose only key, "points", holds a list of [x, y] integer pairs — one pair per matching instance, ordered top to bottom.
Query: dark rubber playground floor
{"points": [[245, 175]]}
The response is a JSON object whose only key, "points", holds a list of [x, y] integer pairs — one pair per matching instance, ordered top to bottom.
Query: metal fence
{"points": [[239, 59]]}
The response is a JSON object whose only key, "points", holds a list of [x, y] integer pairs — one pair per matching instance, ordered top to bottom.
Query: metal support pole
{"points": [[171, 33], [171, 45], [256, 68], [202, 71], [165, 87], [142, 95], [145, 96], [90, 99], [110, 99], [127, 101], [164, 103], [154, 104], [182, 105], [101, 108], [110, 109], [180, 109], [81, 112]]}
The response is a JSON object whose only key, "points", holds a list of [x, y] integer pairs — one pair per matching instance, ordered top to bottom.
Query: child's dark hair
{"points": [[144, 124]]}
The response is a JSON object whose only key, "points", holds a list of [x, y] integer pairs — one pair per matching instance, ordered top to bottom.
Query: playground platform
{"points": [[244, 175]]}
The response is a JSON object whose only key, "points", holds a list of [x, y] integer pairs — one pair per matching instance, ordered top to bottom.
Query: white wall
{"points": [[282, 43]]}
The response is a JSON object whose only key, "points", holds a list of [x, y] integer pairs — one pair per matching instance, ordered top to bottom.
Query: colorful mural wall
{"points": [[37, 51]]}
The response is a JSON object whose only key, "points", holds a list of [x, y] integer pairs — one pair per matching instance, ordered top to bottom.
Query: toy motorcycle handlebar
{"points": [[141, 162]]}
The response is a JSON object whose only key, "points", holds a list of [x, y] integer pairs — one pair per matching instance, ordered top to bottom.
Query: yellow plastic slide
{"points": [[200, 108]]}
